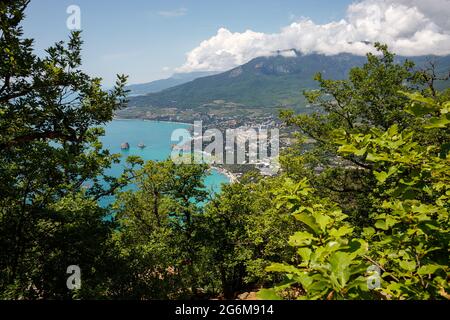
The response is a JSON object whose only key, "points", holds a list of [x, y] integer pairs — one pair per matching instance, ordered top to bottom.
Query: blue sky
{"points": [[149, 39]]}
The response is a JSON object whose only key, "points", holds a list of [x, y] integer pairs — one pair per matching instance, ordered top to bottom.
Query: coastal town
{"points": [[245, 126]]}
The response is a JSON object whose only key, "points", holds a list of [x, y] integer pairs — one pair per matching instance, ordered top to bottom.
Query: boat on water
{"points": [[141, 145], [125, 146]]}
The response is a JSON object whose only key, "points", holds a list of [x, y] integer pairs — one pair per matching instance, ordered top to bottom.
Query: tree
{"points": [[370, 98], [50, 118], [158, 222], [243, 232], [407, 242]]}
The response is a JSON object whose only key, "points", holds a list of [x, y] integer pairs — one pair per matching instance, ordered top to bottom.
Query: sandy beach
{"points": [[228, 174]]}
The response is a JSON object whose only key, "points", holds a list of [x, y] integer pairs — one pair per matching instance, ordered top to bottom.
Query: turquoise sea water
{"points": [[156, 136]]}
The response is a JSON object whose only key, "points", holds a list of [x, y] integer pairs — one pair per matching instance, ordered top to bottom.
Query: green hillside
{"points": [[265, 83], [159, 85]]}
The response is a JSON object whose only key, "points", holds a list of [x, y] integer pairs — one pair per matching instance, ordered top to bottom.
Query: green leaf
{"points": [[418, 97], [418, 110], [441, 122], [393, 130], [348, 148], [360, 152], [375, 157], [380, 176], [424, 209], [308, 220], [322, 220], [381, 224], [386, 224], [342, 231], [368, 232], [301, 239], [305, 253], [340, 262], [408, 265], [284, 268], [429, 269], [268, 294]]}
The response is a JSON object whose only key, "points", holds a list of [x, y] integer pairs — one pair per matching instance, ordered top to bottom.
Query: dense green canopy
{"points": [[360, 209]]}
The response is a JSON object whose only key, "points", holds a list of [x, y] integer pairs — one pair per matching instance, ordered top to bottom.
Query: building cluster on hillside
{"points": [[214, 119]]}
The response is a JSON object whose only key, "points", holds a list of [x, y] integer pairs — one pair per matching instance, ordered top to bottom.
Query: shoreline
{"points": [[149, 120], [228, 174], [231, 176]]}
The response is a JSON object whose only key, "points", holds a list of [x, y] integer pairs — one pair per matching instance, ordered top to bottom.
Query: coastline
{"points": [[150, 120], [166, 121], [233, 178]]}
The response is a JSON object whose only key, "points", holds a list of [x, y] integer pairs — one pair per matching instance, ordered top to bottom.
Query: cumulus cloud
{"points": [[437, 10], [409, 27]]}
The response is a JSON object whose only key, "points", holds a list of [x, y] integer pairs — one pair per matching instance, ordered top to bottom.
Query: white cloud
{"points": [[438, 10], [173, 13], [409, 27]]}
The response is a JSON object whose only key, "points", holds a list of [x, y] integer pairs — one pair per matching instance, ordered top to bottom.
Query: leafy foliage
{"points": [[50, 113], [364, 194], [157, 226], [411, 227], [243, 234], [409, 237]]}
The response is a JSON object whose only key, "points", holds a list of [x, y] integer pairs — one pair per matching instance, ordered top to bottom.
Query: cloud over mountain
{"points": [[409, 27]]}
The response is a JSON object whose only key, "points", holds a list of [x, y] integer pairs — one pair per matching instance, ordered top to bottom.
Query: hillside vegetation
{"points": [[266, 82], [362, 213]]}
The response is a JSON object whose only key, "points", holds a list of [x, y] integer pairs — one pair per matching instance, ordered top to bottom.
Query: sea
{"points": [[156, 136]]}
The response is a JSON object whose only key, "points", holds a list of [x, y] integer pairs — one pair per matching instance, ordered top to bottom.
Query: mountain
{"points": [[264, 83], [159, 85]]}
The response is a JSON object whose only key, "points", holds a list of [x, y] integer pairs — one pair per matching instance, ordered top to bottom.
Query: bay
{"points": [[156, 136]]}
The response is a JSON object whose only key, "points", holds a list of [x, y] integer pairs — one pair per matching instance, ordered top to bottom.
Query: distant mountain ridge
{"points": [[264, 82], [159, 85]]}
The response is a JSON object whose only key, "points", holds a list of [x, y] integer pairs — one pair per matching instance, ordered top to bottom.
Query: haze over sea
{"points": [[156, 136]]}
